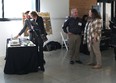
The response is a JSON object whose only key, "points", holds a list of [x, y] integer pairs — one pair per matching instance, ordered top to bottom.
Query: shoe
{"points": [[78, 61], [44, 62], [71, 62], [91, 64], [97, 67], [42, 69], [22, 72]]}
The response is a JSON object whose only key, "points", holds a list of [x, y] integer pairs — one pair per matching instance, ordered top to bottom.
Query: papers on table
{"points": [[20, 42]]}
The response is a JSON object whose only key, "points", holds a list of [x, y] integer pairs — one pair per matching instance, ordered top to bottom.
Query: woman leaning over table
{"points": [[35, 26]]}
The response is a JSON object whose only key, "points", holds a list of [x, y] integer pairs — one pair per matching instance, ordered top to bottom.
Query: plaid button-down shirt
{"points": [[92, 30]]}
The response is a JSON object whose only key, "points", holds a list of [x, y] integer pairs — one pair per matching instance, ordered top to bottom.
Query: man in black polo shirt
{"points": [[73, 28]]}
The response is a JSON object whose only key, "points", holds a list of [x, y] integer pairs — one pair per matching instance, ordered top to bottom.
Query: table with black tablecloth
{"points": [[21, 59]]}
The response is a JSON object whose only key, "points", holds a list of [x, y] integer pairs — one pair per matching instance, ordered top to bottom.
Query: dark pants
{"points": [[37, 40], [115, 52]]}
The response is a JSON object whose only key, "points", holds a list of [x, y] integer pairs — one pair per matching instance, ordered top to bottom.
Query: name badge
{"points": [[80, 24]]}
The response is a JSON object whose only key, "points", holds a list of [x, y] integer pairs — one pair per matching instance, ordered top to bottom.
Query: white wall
{"points": [[58, 10]]}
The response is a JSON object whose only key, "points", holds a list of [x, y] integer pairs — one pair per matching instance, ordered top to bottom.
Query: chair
{"points": [[64, 40]]}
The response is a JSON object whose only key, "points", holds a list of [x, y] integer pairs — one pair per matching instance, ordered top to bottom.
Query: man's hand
{"points": [[28, 31], [16, 37]]}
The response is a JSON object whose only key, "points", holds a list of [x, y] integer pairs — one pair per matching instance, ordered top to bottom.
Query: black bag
{"points": [[52, 45]]}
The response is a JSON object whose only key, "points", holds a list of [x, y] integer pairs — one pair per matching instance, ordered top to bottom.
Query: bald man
{"points": [[73, 28]]}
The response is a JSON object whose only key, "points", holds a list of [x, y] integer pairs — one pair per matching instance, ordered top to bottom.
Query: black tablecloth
{"points": [[21, 60]]}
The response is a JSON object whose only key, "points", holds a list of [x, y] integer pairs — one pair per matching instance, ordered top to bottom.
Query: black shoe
{"points": [[44, 62], [71, 62], [79, 62], [42, 69], [36, 70], [22, 72]]}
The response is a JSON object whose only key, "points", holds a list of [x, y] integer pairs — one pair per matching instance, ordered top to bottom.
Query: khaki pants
{"points": [[74, 42], [95, 54]]}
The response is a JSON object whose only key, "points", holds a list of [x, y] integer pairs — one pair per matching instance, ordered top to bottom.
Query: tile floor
{"points": [[58, 70]]}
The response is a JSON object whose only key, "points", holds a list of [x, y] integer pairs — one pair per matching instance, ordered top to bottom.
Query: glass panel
{"points": [[0, 8], [15, 8], [108, 14]]}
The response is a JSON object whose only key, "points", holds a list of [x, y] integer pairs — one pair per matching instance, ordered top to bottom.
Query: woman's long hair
{"points": [[34, 13], [95, 14]]}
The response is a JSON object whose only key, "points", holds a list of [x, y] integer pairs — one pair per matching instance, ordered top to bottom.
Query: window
{"points": [[1, 8], [15, 8]]}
